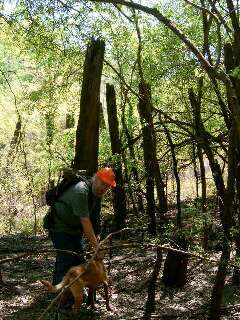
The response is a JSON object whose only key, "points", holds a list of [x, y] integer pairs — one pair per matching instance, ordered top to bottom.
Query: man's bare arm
{"points": [[88, 232]]}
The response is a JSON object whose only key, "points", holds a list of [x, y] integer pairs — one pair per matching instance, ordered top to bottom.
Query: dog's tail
{"points": [[52, 288]]}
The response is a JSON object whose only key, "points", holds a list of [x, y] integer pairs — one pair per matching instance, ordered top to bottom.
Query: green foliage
{"points": [[41, 68], [235, 72]]}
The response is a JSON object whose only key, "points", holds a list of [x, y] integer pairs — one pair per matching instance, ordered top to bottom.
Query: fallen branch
{"points": [[123, 246], [26, 254]]}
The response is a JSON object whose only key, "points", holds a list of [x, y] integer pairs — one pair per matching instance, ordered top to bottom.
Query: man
{"points": [[77, 213]]}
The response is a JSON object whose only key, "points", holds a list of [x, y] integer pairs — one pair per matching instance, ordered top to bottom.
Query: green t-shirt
{"points": [[76, 202]]}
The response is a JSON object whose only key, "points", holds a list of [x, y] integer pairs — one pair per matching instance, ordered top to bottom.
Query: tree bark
{"points": [[236, 30], [87, 135], [204, 143], [134, 169], [152, 170], [195, 170], [176, 175], [203, 178], [119, 195], [175, 266], [217, 292], [150, 303]]}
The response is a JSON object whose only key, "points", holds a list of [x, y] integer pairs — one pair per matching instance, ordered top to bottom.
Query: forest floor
{"points": [[23, 297]]}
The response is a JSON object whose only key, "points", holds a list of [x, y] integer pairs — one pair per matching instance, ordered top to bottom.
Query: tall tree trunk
{"points": [[236, 30], [231, 60], [145, 109], [144, 112], [87, 135], [204, 143], [233, 144], [150, 158], [134, 168], [195, 170], [176, 175], [203, 178], [130, 192], [119, 195], [206, 225], [175, 267], [236, 272], [217, 292]]}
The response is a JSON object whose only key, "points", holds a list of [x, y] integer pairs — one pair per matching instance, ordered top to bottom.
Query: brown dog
{"points": [[90, 274]]}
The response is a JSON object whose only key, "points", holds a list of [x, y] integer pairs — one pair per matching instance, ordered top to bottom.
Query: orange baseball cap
{"points": [[107, 176]]}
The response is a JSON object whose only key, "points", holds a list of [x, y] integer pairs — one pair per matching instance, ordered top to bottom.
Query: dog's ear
{"points": [[99, 255]]}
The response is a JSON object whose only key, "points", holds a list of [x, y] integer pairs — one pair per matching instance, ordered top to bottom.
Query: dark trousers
{"points": [[65, 261]]}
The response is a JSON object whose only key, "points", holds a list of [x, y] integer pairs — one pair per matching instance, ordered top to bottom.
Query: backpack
{"points": [[68, 179]]}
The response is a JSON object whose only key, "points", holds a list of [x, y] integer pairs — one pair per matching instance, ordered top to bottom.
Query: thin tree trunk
{"points": [[236, 28], [230, 61], [144, 109], [149, 142], [204, 143], [233, 143], [134, 169], [195, 170], [176, 175], [203, 178], [129, 188], [119, 195], [236, 272], [217, 292], [150, 303]]}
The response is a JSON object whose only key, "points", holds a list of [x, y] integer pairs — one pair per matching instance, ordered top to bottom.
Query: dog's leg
{"points": [[105, 286], [77, 292], [65, 298], [91, 298]]}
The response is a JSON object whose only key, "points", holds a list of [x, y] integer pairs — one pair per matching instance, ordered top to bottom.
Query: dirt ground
{"points": [[23, 297]]}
